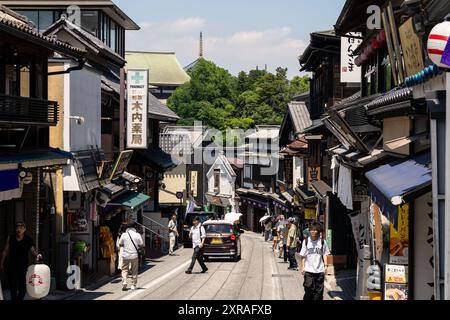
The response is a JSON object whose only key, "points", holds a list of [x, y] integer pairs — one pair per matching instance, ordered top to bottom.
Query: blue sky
{"points": [[238, 34]]}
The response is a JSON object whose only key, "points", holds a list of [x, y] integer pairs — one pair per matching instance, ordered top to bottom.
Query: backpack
{"points": [[323, 244]]}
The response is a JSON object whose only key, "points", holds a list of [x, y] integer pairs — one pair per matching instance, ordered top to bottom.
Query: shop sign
{"points": [[411, 48], [350, 72], [137, 110], [121, 164], [105, 170], [313, 175], [194, 181], [310, 214], [330, 238], [399, 239], [396, 282]]}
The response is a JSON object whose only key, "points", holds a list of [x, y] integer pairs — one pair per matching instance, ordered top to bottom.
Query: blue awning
{"points": [[34, 159], [400, 182], [9, 185]]}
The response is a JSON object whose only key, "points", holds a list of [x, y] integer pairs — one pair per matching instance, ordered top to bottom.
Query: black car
{"points": [[187, 225], [223, 239]]}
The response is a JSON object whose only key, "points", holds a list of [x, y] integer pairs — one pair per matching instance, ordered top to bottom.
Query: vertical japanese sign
{"points": [[411, 48], [350, 72], [137, 108], [313, 175], [194, 178], [400, 238], [396, 282]]}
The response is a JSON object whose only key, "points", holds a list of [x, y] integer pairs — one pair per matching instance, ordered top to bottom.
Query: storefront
{"points": [[399, 225]]}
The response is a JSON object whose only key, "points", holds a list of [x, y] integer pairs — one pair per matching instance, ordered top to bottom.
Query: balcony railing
{"points": [[28, 111]]}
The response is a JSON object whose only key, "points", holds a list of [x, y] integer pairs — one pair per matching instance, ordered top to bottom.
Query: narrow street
{"points": [[260, 275]]}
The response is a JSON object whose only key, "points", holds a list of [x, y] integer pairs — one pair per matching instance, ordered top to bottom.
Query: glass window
{"points": [[33, 16], [45, 20], [89, 21], [113, 36], [219, 228]]}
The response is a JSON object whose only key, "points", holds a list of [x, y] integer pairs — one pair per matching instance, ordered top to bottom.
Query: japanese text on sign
{"points": [[350, 72], [137, 109]]}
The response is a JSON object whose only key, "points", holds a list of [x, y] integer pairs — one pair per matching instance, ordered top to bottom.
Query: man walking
{"points": [[268, 230], [173, 233], [198, 235], [131, 241], [291, 245], [18, 247], [314, 268]]}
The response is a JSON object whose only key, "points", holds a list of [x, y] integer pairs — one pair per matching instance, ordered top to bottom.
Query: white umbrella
{"points": [[233, 216], [264, 218]]}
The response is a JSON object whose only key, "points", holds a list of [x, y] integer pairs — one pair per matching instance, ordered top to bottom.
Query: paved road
{"points": [[260, 275]]}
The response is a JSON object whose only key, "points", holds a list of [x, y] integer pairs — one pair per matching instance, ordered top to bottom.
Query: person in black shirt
{"points": [[18, 247]]}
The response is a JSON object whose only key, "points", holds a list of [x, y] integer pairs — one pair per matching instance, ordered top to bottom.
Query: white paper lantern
{"points": [[437, 41], [38, 281]]}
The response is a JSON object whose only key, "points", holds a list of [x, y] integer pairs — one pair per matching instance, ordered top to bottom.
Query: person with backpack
{"points": [[198, 236], [131, 242], [291, 244], [313, 264]]}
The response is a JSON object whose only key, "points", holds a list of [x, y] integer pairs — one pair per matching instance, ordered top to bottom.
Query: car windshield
{"points": [[218, 228]]}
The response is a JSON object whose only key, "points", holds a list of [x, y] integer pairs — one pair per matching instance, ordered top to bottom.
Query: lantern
{"points": [[437, 41], [38, 281]]}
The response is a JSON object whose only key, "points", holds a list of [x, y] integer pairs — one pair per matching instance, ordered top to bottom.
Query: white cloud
{"points": [[243, 50]]}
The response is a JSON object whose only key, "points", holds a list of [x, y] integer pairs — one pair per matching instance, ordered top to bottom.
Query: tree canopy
{"points": [[223, 101]]}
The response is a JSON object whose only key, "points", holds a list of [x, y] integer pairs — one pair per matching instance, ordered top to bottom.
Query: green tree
{"points": [[299, 85]]}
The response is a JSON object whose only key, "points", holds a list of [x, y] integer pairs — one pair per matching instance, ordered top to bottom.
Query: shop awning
{"points": [[156, 158], [34, 159], [400, 182], [321, 188], [289, 195], [306, 196], [130, 200]]}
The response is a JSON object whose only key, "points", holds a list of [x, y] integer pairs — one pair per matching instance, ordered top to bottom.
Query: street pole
{"points": [[122, 111], [447, 194]]}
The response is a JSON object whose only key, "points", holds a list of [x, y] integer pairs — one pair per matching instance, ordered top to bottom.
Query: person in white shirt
{"points": [[268, 230], [173, 233], [198, 235], [131, 242], [314, 267]]}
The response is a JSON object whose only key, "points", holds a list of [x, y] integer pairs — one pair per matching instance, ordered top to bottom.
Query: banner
{"points": [[350, 72], [137, 108], [399, 239]]}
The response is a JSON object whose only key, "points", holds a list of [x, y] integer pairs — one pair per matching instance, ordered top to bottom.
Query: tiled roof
{"points": [[9, 19], [87, 36], [164, 67], [160, 110], [300, 116]]}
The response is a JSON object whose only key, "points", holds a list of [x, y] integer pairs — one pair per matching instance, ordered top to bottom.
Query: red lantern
{"points": [[375, 44]]}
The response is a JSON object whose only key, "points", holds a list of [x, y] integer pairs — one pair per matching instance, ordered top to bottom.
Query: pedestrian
{"points": [[123, 228], [268, 229], [283, 232], [173, 233], [198, 236], [275, 238], [131, 241], [291, 245], [17, 250], [314, 267]]}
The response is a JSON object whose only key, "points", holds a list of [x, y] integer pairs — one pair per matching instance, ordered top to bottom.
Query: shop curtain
{"points": [[11, 186], [345, 187]]}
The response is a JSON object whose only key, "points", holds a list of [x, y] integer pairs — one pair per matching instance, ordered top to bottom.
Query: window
{"points": [[46, 19], [90, 22], [113, 36], [248, 172], [216, 180], [219, 228]]}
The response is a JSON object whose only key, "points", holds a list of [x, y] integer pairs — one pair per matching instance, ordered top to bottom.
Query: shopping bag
{"points": [[38, 281]]}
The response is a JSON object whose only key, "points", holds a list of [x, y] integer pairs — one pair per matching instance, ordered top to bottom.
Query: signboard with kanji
{"points": [[412, 48], [350, 72], [137, 108], [121, 164]]}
